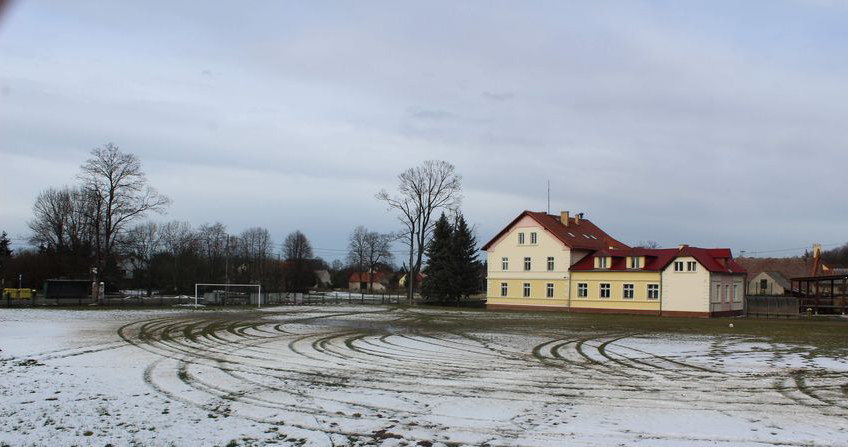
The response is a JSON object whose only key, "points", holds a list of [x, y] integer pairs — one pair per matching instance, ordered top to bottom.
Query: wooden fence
{"points": [[771, 306]]}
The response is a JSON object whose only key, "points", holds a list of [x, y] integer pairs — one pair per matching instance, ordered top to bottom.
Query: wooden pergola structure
{"points": [[826, 294]]}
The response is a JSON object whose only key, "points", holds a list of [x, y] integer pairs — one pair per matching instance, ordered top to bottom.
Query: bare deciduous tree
{"points": [[422, 191], [118, 192], [60, 219], [141, 243], [255, 244], [297, 247], [368, 249]]}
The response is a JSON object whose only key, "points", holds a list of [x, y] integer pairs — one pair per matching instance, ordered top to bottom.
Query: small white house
{"points": [[769, 283]]}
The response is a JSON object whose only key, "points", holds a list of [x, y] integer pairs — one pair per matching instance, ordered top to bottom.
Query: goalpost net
{"points": [[227, 293]]}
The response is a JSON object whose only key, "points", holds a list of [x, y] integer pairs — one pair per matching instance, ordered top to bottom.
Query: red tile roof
{"points": [[580, 233], [717, 260], [365, 277]]}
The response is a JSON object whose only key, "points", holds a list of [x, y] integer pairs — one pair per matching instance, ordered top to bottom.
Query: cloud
{"points": [[660, 121]]}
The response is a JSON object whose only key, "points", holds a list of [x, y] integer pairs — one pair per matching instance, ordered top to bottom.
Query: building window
{"points": [[520, 238], [533, 238], [602, 262], [635, 262], [504, 263], [550, 263], [527, 264], [678, 266], [690, 266], [763, 285], [504, 289], [527, 290], [550, 290], [582, 290], [605, 290], [628, 291], [653, 291], [717, 297], [726, 297], [736, 297]]}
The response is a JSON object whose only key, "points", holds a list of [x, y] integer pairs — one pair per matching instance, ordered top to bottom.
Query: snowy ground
{"points": [[370, 375]]}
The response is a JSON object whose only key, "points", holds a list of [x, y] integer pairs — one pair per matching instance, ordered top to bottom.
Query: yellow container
{"points": [[18, 294]]}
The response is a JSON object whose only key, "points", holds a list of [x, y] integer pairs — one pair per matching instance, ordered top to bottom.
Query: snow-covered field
{"points": [[370, 375]]}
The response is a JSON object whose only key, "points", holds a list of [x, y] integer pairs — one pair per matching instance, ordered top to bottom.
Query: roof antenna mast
{"points": [[549, 197]]}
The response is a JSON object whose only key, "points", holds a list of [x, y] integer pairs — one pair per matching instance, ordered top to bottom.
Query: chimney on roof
{"points": [[563, 217], [577, 218], [682, 246]]}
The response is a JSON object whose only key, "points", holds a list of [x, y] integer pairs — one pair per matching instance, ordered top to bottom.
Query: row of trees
{"points": [[102, 222]]}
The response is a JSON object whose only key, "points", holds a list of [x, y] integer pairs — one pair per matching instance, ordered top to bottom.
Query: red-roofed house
{"points": [[540, 261], [375, 282]]}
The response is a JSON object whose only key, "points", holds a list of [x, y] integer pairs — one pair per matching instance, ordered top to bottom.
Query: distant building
{"points": [[546, 262], [774, 271], [323, 279], [418, 280], [365, 281], [769, 283]]}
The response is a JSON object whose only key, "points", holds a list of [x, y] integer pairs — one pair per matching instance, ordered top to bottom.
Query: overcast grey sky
{"points": [[713, 123]]}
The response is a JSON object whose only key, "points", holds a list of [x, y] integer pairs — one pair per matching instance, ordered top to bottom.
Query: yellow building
{"points": [[545, 262]]}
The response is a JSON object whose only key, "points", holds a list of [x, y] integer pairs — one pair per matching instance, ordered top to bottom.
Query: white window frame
{"points": [[521, 238], [534, 238], [602, 262], [635, 262], [504, 263], [550, 263], [528, 264], [678, 266], [691, 266], [604, 287], [625, 288], [504, 289], [526, 290], [549, 290], [582, 290], [653, 291], [726, 296], [717, 297]]}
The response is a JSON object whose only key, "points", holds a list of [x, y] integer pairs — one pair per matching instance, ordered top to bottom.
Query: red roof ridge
{"points": [[596, 239]]}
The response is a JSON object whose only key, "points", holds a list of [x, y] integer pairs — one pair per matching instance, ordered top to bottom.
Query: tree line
{"points": [[103, 224]]}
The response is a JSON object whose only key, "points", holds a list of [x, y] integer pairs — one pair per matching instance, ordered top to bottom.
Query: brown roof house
{"points": [[770, 276]]}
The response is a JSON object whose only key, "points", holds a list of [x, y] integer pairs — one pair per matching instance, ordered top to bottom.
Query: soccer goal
{"points": [[221, 293]]}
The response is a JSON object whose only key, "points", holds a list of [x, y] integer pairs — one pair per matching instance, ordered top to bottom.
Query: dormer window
{"points": [[520, 238], [602, 262], [635, 262], [691, 266]]}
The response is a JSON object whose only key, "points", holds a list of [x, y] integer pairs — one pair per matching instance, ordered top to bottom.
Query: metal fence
{"points": [[210, 299], [772, 306]]}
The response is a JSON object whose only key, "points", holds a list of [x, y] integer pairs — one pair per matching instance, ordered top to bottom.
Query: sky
{"points": [[712, 123]]}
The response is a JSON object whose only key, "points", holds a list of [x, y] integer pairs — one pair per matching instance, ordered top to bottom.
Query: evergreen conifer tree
{"points": [[5, 252], [465, 268], [438, 279]]}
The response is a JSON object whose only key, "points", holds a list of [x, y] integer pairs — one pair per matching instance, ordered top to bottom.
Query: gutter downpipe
{"points": [[662, 290]]}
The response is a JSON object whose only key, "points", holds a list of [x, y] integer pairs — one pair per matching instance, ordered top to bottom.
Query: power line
{"points": [[779, 250]]}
